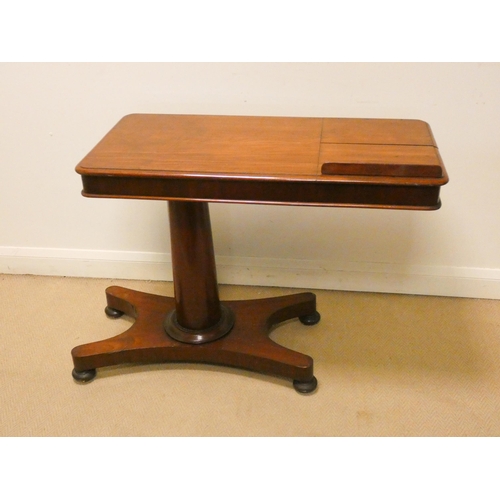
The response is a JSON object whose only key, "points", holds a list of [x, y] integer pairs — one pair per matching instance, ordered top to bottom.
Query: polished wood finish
{"points": [[377, 131], [166, 145], [388, 148], [190, 160], [275, 160], [381, 160], [193, 264], [198, 316], [194, 325], [248, 345]]}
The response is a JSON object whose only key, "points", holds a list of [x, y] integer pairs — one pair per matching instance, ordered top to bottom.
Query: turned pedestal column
{"points": [[199, 316]]}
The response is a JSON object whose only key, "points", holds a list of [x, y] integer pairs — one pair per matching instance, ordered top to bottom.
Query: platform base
{"points": [[246, 346]]}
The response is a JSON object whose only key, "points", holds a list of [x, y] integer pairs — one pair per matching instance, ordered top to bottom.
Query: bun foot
{"points": [[112, 313], [310, 319], [84, 376], [305, 387]]}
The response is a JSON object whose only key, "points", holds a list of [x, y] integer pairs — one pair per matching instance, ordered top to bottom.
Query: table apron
{"points": [[408, 196]]}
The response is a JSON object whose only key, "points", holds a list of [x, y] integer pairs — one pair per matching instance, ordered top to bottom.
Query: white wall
{"points": [[52, 114]]}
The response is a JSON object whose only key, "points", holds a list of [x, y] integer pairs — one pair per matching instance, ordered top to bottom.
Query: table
{"points": [[193, 160]]}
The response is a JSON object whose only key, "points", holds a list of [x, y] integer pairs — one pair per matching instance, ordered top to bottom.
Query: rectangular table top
{"points": [[250, 159]]}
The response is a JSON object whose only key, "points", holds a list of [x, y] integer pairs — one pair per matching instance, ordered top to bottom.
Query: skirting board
{"points": [[305, 274]]}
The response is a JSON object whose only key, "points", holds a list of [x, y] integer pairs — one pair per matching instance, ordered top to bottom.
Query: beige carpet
{"points": [[387, 365]]}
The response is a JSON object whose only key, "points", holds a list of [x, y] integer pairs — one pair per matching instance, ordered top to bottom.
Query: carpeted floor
{"points": [[387, 365]]}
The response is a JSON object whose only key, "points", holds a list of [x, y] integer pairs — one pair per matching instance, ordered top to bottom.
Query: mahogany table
{"points": [[192, 160]]}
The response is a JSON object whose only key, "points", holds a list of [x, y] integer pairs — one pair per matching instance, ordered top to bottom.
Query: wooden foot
{"points": [[246, 346], [84, 376]]}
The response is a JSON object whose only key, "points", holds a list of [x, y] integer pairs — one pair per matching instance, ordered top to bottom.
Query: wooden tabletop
{"points": [[306, 161]]}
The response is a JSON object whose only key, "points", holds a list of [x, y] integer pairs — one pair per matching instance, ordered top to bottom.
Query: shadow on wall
{"points": [[314, 233]]}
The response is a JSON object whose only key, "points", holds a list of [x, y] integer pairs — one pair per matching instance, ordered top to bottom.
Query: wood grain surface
{"points": [[377, 131], [208, 144], [186, 158], [250, 159]]}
